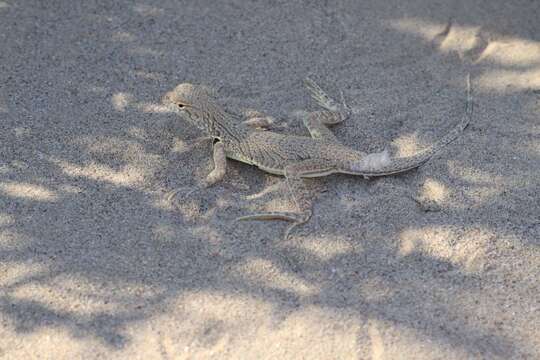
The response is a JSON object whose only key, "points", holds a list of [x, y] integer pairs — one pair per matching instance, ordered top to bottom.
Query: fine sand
{"points": [[442, 262]]}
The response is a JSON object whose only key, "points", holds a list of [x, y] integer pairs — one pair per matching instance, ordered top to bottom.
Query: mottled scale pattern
{"points": [[273, 150], [295, 157]]}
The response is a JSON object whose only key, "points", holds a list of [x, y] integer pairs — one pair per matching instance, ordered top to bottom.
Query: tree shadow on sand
{"points": [[90, 245]]}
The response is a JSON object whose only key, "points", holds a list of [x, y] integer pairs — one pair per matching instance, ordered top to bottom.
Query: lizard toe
{"points": [[180, 193]]}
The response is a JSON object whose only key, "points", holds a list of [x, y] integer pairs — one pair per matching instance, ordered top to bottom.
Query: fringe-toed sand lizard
{"points": [[294, 157]]}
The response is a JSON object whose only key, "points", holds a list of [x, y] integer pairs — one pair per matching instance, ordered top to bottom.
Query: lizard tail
{"points": [[380, 164]]}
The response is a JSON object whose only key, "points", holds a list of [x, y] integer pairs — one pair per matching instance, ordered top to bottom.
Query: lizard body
{"points": [[295, 157]]}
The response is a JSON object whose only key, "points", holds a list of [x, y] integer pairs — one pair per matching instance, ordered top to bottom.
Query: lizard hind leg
{"points": [[336, 112], [315, 123], [299, 193], [295, 218]]}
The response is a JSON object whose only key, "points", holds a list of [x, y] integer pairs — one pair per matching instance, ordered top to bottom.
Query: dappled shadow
{"points": [[89, 245]]}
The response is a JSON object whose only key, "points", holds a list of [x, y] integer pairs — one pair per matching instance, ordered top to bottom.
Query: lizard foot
{"points": [[184, 193], [296, 219]]}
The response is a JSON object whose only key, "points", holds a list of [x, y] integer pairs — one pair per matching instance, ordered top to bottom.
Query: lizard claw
{"points": [[347, 111]]}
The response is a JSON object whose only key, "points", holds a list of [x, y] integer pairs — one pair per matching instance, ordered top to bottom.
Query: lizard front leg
{"points": [[258, 120], [220, 165], [216, 175]]}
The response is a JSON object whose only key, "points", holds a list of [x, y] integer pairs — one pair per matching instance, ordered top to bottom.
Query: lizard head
{"points": [[189, 98], [192, 102]]}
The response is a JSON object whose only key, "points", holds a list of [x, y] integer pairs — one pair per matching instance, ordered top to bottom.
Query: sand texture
{"points": [[442, 262]]}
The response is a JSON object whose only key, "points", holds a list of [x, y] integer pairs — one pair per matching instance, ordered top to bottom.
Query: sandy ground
{"points": [[439, 263]]}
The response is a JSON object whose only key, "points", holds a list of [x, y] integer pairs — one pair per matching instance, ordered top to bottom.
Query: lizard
{"points": [[291, 156]]}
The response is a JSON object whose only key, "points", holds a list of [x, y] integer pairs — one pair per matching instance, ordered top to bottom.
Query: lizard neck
{"points": [[222, 125]]}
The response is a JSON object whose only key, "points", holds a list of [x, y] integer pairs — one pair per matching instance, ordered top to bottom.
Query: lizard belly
{"points": [[265, 168], [274, 171]]}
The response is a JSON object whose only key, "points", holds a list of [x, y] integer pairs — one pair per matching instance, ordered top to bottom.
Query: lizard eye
{"points": [[181, 105]]}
